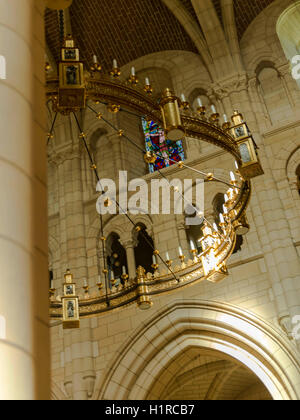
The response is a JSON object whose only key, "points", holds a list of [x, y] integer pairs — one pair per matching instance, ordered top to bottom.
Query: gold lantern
{"points": [[72, 95], [171, 116], [251, 166], [241, 226], [219, 274], [144, 301], [70, 303]]}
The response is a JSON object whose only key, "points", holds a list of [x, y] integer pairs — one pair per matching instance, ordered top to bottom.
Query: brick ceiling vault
{"points": [[129, 29]]}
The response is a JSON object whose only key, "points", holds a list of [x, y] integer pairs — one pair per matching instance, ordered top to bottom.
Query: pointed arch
{"points": [[207, 325]]}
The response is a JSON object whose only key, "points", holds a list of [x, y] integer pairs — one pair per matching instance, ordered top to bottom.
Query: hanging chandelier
{"points": [[77, 88]]}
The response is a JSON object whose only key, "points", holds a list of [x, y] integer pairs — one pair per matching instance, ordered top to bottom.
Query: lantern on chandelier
{"points": [[171, 116], [251, 166], [70, 303]]}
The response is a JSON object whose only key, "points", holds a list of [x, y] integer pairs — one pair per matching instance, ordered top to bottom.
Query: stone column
{"points": [[129, 246], [24, 323], [79, 368]]}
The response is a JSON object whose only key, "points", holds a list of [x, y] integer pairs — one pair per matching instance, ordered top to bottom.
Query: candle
{"points": [[95, 59], [115, 64], [132, 71], [147, 81], [183, 99], [200, 104], [213, 108], [225, 118], [236, 165], [232, 177], [226, 198], [225, 209], [222, 218], [215, 227], [193, 247], [180, 252], [167, 256], [154, 259], [124, 270], [112, 275], [85, 283], [52, 284]]}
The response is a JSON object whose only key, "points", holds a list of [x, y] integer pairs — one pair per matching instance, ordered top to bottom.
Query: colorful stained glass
{"points": [[169, 152]]}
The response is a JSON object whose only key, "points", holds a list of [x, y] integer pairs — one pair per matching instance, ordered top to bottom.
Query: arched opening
{"points": [[288, 32], [159, 79], [273, 93], [202, 94], [143, 252], [116, 258], [192, 334], [208, 375]]}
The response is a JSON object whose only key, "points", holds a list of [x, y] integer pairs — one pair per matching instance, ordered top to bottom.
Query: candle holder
{"points": [[96, 67], [116, 72], [133, 80], [148, 89], [185, 105], [201, 110], [214, 118], [226, 126], [234, 183], [223, 226], [194, 252], [182, 260], [169, 264], [155, 268], [125, 278], [113, 282], [100, 286], [86, 291]]}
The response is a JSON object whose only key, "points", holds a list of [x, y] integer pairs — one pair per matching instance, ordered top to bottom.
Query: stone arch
{"points": [[265, 24], [287, 29], [260, 60], [171, 61], [272, 91], [283, 157], [293, 165], [293, 176], [207, 325]]}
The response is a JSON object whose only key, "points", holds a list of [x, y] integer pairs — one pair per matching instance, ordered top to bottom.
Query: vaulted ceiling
{"points": [[129, 29], [208, 375]]}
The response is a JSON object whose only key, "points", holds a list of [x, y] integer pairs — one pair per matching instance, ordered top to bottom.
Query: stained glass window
{"points": [[169, 152]]}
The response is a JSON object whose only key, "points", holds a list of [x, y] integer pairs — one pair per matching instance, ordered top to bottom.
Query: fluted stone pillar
{"points": [[24, 346]]}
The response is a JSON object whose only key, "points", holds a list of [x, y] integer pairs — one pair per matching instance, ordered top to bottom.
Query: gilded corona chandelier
{"points": [[77, 88]]}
